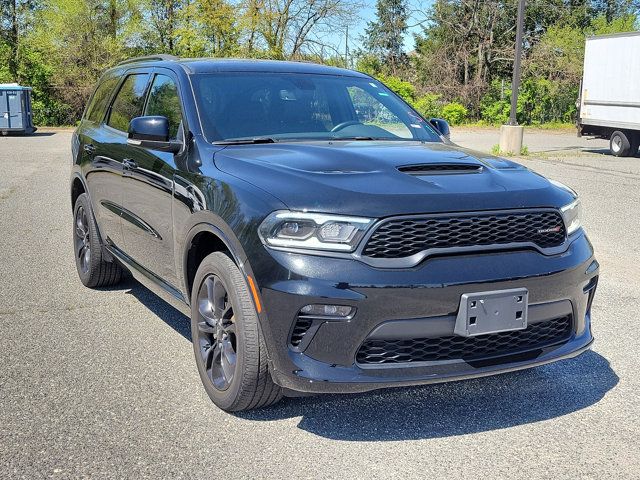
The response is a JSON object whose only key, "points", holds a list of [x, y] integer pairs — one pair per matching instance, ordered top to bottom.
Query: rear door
{"points": [[108, 151], [102, 172], [148, 186]]}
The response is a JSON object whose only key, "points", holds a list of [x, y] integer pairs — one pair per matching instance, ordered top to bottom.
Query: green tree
{"points": [[164, 16], [16, 17], [207, 28], [294, 29], [384, 37], [73, 43]]}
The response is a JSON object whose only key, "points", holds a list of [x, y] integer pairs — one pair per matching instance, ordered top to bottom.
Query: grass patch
{"points": [[555, 126], [524, 152]]}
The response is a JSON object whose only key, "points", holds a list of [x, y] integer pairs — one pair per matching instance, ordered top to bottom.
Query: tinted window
{"points": [[164, 101], [128, 102], [98, 104], [303, 106], [372, 112]]}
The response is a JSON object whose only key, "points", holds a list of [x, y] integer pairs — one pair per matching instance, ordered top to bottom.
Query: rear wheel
{"points": [[634, 141], [620, 144], [93, 269], [227, 341]]}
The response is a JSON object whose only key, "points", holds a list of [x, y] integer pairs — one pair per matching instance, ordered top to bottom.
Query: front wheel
{"points": [[227, 341]]}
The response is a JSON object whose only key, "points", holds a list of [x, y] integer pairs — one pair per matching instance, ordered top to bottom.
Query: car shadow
{"points": [[35, 134], [42, 134], [572, 148], [598, 151], [174, 318], [450, 409], [430, 411]]}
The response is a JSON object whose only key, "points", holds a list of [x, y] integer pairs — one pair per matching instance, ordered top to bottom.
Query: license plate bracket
{"points": [[496, 311]]}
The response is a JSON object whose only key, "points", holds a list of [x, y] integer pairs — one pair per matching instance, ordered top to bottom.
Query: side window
{"points": [[165, 101], [128, 102], [98, 104], [371, 111]]}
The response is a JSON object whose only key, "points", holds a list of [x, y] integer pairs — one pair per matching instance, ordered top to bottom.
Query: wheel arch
{"points": [[78, 187], [204, 239]]}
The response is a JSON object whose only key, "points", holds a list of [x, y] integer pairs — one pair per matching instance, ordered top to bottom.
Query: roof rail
{"points": [[149, 58]]}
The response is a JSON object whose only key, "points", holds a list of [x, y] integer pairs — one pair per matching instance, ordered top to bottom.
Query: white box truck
{"points": [[609, 103]]}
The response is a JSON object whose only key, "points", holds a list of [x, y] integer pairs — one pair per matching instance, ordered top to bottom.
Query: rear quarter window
{"points": [[98, 103]]}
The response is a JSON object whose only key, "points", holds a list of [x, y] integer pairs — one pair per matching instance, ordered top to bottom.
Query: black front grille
{"points": [[404, 237], [454, 347]]}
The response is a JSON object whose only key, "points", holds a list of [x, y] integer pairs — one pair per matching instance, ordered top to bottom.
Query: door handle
{"points": [[90, 149], [129, 164]]}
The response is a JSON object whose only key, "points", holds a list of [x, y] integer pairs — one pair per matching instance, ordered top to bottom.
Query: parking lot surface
{"points": [[102, 383]]}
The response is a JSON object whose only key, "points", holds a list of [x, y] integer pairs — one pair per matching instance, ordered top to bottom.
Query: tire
{"points": [[634, 141], [620, 144], [94, 271], [227, 341]]}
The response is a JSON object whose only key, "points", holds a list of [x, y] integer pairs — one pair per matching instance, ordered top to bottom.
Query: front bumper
{"points": [[412, 298]]}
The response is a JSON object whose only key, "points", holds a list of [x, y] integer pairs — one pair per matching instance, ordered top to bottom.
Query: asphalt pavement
{"points": [[103, 384]]}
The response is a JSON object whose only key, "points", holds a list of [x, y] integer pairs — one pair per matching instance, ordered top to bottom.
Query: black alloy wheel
{"points": [[82, 241], [93, 269], [216, 335], [230, 352]]}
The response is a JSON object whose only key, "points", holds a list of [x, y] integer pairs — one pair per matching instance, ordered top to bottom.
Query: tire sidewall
{"points": [[625, 145], [215, 264], [86, 277]]}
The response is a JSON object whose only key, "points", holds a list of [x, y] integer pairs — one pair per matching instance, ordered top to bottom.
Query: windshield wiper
{"points": [[245, 141]]}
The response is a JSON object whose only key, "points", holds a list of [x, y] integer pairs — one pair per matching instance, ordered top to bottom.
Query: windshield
{"points": [[293, 106]]}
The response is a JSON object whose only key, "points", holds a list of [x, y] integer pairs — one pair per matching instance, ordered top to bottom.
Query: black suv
{"points": [[321, 234]]}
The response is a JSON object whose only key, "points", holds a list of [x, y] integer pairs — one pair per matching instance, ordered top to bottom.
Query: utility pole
{"points": [[346, 48], [515, 82], [511, 134]]}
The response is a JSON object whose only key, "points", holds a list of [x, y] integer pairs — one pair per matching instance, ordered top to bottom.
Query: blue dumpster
{"points": [[15, 109]]}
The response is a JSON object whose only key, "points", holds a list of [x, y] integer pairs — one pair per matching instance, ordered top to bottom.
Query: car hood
{"points": [[363, 178]]}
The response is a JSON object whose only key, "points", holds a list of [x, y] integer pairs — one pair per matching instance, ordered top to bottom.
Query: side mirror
{"points": [[442, 126], [153, 133]]}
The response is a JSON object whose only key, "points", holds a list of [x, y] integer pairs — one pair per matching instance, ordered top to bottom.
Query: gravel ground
{"points": [[103, 384]]}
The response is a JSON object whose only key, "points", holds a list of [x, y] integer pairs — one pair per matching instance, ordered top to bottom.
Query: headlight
{"points": [[572, 214], [313, 231]]}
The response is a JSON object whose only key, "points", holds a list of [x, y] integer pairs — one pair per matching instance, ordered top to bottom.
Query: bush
{"points": [[540, 101], [429, 105], [494, 112], [51, 113], [455, 113]]}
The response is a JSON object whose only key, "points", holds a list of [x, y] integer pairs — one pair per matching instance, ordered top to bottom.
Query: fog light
{"points": [[342, 311]]}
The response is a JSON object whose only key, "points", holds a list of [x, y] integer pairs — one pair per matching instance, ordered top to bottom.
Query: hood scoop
{"points": [[440, 168]]}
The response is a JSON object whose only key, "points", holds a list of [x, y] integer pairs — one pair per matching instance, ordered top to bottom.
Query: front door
{"points": [[148, 188]]}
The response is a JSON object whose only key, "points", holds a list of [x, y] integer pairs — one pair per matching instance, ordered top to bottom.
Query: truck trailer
{"points": [[609, 102]]}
